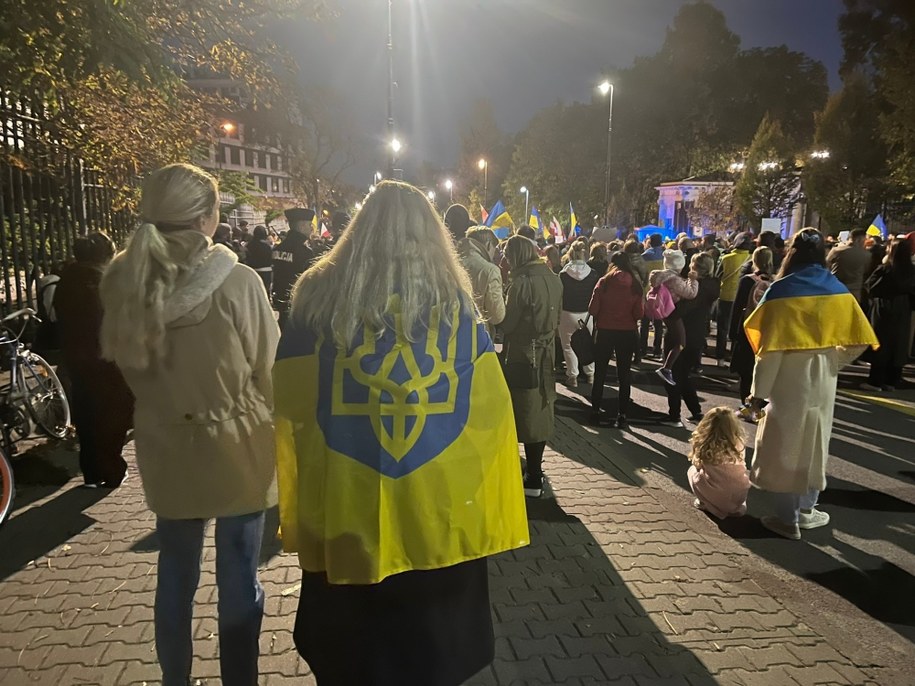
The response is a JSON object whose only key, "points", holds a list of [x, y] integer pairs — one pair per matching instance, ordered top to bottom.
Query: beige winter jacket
{"points": [[486, 280], [203, 419]]}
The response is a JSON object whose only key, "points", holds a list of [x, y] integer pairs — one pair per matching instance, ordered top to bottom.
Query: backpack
{"points": [[756, 294], [659, 303]]}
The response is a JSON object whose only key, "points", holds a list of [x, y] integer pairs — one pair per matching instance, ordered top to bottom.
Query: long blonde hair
{"points": [[166, 244], [395, 246], [718, 439]]}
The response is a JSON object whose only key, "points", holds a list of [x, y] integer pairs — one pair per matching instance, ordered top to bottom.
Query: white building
{"points": [[238, 148], [677, 198]]}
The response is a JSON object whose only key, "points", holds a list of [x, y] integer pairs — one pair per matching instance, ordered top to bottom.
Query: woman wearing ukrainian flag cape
{"points": [[807, 326], [397, 457]]}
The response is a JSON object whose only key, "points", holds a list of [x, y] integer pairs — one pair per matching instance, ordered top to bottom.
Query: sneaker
{"points": [[667, 375], [572, 382], [869, 387], [696, 418], [622, 422], [673, 422], [90, 484], [533, 488], [813, 519], [775, 525]]}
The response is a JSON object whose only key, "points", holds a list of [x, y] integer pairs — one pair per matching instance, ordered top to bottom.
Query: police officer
{"points": [[291, 257]]}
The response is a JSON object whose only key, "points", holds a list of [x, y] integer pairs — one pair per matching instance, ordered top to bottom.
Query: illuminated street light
{"points": [[606, 87], [227, 127], [396, 145], [820, 154], [484, 167], [378, 177], [449, 186], [372, 188], [431, 196], [527, 196]]}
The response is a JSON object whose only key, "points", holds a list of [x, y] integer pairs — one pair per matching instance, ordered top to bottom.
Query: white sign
{"points": [[772, 224], [844, 236]]}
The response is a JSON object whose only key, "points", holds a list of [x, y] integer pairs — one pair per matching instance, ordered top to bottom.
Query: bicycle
{"points": [[33, 393]]}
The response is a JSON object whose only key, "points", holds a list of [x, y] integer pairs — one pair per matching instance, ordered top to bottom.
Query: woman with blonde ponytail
{"points": [[194, 335]]}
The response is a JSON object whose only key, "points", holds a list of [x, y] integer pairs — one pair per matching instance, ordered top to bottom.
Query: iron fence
{"points": [[48, 197]]}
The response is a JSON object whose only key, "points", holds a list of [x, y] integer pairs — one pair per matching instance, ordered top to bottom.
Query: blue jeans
{"points": [[789, 505], [241, 598]]}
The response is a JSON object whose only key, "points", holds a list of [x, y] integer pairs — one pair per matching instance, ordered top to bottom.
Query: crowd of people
{"points": [[377, 383]]}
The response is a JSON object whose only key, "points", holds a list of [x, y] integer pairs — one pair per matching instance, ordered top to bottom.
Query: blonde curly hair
{"points": [[719, 439]]}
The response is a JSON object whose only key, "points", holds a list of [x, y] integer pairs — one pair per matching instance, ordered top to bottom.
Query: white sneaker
{"points": [[813, 519], [777, 526]]}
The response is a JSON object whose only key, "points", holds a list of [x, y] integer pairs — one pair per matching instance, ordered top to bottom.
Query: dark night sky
{"points": [[523, 54]]}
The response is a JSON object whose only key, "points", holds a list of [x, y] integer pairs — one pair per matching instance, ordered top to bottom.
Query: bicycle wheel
{"points": [[43, 395], [7, 487]]}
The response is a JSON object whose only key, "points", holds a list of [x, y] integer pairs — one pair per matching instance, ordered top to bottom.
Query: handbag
{"points": [[583, 343], [523, 376]]}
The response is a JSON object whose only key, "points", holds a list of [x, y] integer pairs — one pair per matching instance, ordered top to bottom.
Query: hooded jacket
{"points": [[486, 280], [578, 282], [680, 288], [203, 418]]}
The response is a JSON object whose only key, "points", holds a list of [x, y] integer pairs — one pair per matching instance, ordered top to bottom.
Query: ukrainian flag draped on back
{"points": [[807, 310], [395, 455]]}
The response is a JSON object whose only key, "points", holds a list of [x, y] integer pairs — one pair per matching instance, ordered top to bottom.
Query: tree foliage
{"points": [[878, 37], [112, 71], [688, 110], [481, 138], [769, 185], [849, 186], [714, 210]]}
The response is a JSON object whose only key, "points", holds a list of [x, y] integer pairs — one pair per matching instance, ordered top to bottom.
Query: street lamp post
{"points": [[605, 88], [396, 147], [392, 162], [484, 167], [449, 186], [431, 196], [527, 197]]}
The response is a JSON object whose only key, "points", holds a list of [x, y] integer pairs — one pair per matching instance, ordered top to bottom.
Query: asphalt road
{"points": [[854, 578]]}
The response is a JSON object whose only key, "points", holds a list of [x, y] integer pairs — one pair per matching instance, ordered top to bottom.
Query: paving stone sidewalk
{"points": [[615, 588]]}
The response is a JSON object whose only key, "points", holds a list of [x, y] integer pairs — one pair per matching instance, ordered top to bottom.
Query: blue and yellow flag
{"points": [[500, 221], [537, 224], [877, 227], [574, 228], [807, 310], [396, 455]]}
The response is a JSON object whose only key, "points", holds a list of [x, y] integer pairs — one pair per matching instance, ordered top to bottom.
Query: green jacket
{"points": [[531, 321]]}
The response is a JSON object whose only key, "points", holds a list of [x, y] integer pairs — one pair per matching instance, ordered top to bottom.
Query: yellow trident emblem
{"points": [[409, 398]]}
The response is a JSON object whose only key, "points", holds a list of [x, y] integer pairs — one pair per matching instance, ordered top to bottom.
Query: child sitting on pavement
{"points": [[680, 289], [718, 475]]}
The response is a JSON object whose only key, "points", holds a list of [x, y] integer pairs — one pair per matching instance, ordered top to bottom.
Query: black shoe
{"points": [[696, 418], [622, 422], [533, 488]]}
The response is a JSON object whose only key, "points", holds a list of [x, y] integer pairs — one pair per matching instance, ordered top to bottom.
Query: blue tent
{"points": [[646, 231]]}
